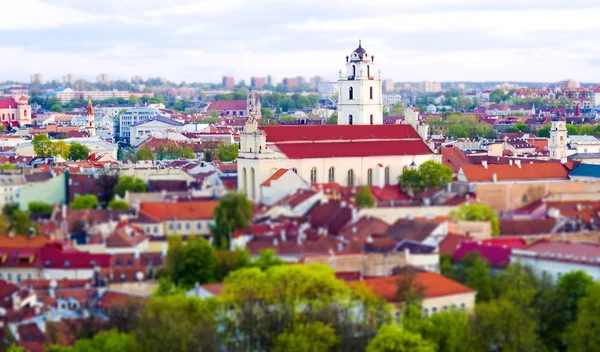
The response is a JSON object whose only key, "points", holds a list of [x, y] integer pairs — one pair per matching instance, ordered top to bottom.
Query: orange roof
{"points": [[539, 144], [507, 172], [274, 177], [180, 210], [22, 241], [434, 285]]}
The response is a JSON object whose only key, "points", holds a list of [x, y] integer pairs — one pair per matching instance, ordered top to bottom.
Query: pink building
{"points": [[15, 111]]}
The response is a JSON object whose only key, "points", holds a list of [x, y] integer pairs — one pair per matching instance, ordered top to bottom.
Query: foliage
{"points": [[56, 108], [266, 113], [287, 118], [333, 119], [457, 125], [518, 127], [544, 132], [42, 145], [60, 148], [79, 151], [171, 151], [227, 152], [144, 153], [7, 167], [428, 175], [129, 184], [364, 197], [84, 201], [118, 205], [10, 208], [40, 208], [477, 212], [233, 213], [21, 222], [5, 224], [267, 259], [229, 261], [198, 263], [583, 334], [306, 338], [392, 338], [108, 341]]}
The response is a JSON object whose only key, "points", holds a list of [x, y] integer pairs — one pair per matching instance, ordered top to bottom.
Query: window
{"points": [[353, 71], [369, 76], [351, 93], [371, 93], [350, 119], [371, 119], [295, 170], [313, 175], [331, 175], [387, 175], [370, 177], [350, 178], [170, 226], [187, 226], [199, 226], [155, 229], [129, 262], [67, 264], [18, 277], [463, 306], [445, 308], [433, 310], [426, 312], [398, 316]]}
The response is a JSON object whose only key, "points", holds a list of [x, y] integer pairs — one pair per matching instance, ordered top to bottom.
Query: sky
{"points": [[202, 40]]}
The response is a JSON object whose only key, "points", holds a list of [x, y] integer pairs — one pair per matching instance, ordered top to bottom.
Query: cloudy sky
{"points": [[201, 40]]}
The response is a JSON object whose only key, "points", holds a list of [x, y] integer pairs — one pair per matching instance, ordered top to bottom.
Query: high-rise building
{"points": [[37, 78], [69, 78], [103, 78], [137, 79], [270, 80], [300, 80], [316, 80], [228, 82], [257, 82], [290, 82], [568, 84], [388, 86], [431, 87]]}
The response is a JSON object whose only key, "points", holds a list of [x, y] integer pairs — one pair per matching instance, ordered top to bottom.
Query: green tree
{"points": [[56, 108], [266, 113], [333, 119], [572, 130], [544, 132], [42, 145], [60, 148], [79, 151], [227, 152], [144, 153], [187, 153], [8, 167], [428, 175], [129, 184], [364, 197], [84, 201], [118, 205], [40, 208], [477, 212], [233, 213], [21, 222], [5, 223], [267, 258], [231, 261], [198, 265], [477, 274], [582, 335], [311, 337], [392, 338], [108, 341], [15, 348]]}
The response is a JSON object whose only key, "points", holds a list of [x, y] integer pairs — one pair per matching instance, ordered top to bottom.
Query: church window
{"points": [[353, 71], [369, 72], [351, 93], [371, 93], [25, 113], [350, 119], [371, 119], [295, 170], [331, 174], [313, 175], [387, 175], [370, 177], [350, 178], [244, 180], [252, 185]]}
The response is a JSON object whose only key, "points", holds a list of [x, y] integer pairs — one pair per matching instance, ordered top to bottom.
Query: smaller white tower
{"points": [[253, 105], [411, 117], [90, 125], [558, 141]]}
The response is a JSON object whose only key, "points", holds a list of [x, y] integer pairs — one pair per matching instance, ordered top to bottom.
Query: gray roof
{"points": [[159, 118], [585, 156]]}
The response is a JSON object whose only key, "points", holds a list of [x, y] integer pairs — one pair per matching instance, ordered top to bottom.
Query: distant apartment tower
{"points": [[37, 78], [69, 78], [103, 78], [137, 79], [270, 80], [300, 80], [316, 80], [228, 82], [257, 82], [290, 82], [568, 84], [388, 86], [431, 87]]}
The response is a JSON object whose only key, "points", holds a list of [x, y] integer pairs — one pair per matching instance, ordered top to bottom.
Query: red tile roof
{"points": [[5, 103], [227, 105], [277, 134], [354, 149], [454, 158], [527, 172], [274, 177], [388, 192], [180, 210], [526, 227], [23, 241], [452, 242], [582, 253], [496, 256], [434, 285]]}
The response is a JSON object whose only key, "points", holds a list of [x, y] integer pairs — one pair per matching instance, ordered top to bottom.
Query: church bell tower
{"points": [[360, 101], [90, 125]]}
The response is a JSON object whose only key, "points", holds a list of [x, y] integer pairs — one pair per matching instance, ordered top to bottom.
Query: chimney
{"points": [[510, 162], [518, 163], [484, 164], [495, 178]]}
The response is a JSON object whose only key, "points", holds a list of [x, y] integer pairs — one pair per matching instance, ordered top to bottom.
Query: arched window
{"points": [[353, 70], [369, 72], [351, 93], [371, 93], [350, 119], [371, 119], [295, 170], [331, 174], [313, 175], [387, 175], [370, 177], [350, 178], [244, 181], [252, 184]]}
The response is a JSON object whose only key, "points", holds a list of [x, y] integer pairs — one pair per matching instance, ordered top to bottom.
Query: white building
{"points": [[430, 87], [328, 88], [389, 100], [134, 116], [141, 130], [558, 140], [358, 151]]}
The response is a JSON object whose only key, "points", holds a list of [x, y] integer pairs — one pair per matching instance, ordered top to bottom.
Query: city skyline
{"points": [[462, 40]]}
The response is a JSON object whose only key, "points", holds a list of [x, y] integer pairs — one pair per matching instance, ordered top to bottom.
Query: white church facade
{"points": [[360, 150]]}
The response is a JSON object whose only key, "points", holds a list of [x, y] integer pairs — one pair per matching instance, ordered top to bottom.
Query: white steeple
{"points": [[360, 101], [90, 125], [558, 140]]}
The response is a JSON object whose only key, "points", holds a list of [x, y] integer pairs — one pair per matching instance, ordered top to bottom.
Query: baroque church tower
{"points": [[360, 100], [90, 126], [558, 140]]}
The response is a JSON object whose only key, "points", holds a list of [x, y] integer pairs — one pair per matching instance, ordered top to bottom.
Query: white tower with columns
{"points": [[360, 101], [558, 140]]}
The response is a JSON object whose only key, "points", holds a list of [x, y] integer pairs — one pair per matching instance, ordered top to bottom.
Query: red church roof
{"points": [[5, 103], [277, 134], [354, 149]]}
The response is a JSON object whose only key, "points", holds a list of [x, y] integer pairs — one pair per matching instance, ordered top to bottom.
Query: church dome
{"points": [[359, 52]]}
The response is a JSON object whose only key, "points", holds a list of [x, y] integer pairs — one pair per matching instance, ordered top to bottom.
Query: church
{"points": [[359, 150]]}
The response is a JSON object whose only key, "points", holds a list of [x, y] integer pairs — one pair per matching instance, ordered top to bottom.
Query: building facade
{"points": [[15, 112], [134, 116]]}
